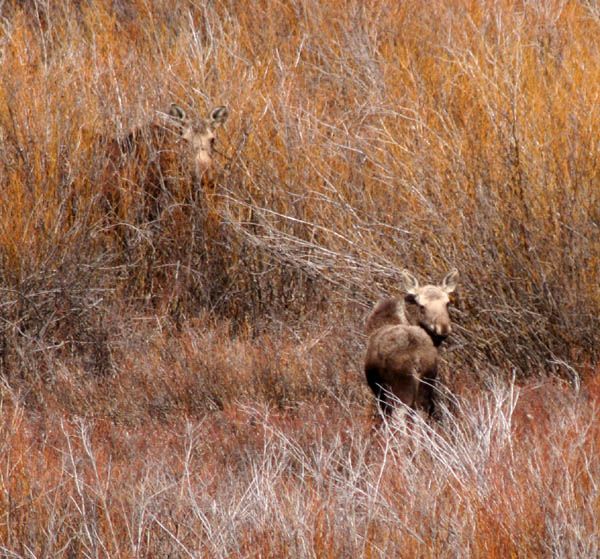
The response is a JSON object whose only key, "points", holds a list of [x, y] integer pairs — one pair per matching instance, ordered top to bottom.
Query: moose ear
{"points": [[176, 112], [218, 116], [450, 281], [411, 284]]}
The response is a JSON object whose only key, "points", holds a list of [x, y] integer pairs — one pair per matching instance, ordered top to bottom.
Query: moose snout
{"points": [[442, 329]]}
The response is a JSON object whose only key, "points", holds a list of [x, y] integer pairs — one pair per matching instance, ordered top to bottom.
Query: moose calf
{"points": [[402, 354]]}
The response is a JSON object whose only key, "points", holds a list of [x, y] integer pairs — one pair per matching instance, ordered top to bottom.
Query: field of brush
{"points": [[191, 385]]}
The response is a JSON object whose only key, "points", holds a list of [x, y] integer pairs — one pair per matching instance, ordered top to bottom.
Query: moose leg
{"points": [[405, 388], [381, 390], [429, 393]]}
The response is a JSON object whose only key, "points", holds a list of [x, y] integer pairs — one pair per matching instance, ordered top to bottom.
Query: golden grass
{"points": [[190, 384]]}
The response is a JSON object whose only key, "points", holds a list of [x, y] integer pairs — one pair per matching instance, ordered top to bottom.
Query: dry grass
{"points": [[190, 385], [512, 474]]}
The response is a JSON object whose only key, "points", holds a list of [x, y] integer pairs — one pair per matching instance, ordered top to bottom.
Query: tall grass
{"points": [[363, 140], [190, 383]]}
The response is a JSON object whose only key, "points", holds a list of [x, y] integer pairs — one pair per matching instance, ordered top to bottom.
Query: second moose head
{"points": [[199, 135]]}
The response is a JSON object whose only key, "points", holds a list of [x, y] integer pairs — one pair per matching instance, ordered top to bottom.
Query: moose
{"points": [[145, 165], [402, 354]]}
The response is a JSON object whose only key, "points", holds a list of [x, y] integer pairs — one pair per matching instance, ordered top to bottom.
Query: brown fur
{"points": [[148, 163], [387, 311], [402, 355]]}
